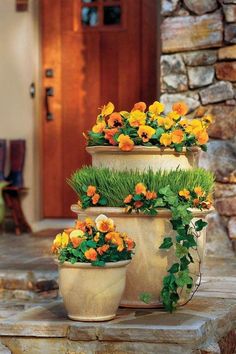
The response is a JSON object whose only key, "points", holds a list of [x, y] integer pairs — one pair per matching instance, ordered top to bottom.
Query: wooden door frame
{"points": [[52, 30]]}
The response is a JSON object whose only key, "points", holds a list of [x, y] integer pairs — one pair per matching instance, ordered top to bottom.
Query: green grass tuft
{"points": [[116, 185]]}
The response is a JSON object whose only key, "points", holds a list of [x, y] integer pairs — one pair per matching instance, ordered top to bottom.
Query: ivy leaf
{"points": [[84, 188], [166, 191], [159, 203], [200, 224], [190, 242], [167, 243], [83, 246], [180, 251], [184, 262], [98, 263], [174, 268], [184, 279], [145, 297]]}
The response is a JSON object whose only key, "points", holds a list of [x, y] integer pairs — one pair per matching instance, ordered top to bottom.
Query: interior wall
{"points": [[19, 67]]}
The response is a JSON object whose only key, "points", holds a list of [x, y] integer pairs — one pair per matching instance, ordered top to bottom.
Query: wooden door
{"points": [[93, 51]]}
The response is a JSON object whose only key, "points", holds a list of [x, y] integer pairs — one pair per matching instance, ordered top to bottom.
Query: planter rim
{"points": [[148, 150], [114, 211], [67, 264]]}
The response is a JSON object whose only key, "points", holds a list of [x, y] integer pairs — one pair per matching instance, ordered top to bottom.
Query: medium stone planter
{"points": [[142, 158], [150, 264], [92, 293]]}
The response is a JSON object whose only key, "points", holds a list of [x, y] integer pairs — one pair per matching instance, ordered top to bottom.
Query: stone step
{"points": [[202, 326]]}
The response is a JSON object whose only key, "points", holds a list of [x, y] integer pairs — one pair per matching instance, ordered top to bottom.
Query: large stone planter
{"points": [[142, 158], [150, 264], [92, 293]]}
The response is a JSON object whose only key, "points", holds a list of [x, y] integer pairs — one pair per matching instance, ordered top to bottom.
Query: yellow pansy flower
{"points": [[156, 108], [107, 109], [173, 115], [137, 118], [99, 127], [145, 132], [166, 139], [184, 193], [61, 240]]}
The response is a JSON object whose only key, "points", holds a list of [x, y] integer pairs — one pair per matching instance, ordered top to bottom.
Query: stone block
{"points": [[229, 1], [168, 7], [200, 7], [230, 12], [186, 33], [230, 33], [228, 52], [201, 57], [172, 64], [226, 71], [200, 76], [174, 83], [218, 92], [191, 99], [224, 124], [221, 160], [224, 190], [226, 206], [232, 228], [218, 243]]}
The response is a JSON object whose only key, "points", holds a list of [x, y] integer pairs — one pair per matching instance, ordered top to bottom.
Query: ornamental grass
{"points": [[115, 186]]}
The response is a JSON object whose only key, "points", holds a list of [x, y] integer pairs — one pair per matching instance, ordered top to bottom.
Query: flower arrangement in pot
{"points": [[172, 139], [165, 212], [92, 258]]}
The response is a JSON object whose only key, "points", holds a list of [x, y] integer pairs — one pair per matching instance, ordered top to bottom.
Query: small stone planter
{"points": [[142, 158], [150, 264], [92, 293]]}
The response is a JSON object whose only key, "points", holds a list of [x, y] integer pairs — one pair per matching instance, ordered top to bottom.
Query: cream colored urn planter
{"points": [[142, 158], [149, 264], [92, 293]]}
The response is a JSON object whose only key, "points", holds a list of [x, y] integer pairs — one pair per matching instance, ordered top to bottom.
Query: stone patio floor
{"points": [[33, 319]]}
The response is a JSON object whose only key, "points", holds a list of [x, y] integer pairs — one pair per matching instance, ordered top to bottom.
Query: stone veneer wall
{"points": [[198, 65]]}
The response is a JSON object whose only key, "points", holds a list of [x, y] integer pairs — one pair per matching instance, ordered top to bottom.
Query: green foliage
{"points": [[114, 186], [145, 297]]}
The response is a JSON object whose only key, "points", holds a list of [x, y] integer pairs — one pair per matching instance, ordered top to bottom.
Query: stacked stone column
{"points": [[198, 66]]}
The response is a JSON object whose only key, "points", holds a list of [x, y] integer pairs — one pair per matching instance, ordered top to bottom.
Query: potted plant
{"points": [[121, 140], [165, 211], [92, 258]]}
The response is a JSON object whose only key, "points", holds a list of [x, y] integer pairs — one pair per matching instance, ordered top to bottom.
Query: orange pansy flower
{"points": [[139, 106], [181, 108], [173, 115], [115, 120], [109, 135], [177, 136], [202, 137], [166, 139], [125, 143], [140, 189], [91, 190], [199, 191], [184, 193], [151, 195], [95, 198], [128, 199], [196, 202], [130, 243], [102, 249], [91, 254]]}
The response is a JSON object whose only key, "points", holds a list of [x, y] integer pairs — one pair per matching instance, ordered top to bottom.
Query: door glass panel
{"points": [[88, 1], [112, 15], [89, 16]]}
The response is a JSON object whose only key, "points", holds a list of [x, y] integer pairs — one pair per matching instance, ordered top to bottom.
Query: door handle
{"points": [[49, 92]]}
